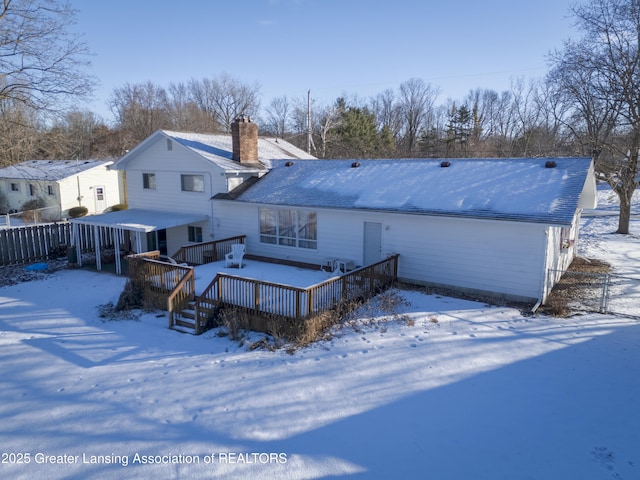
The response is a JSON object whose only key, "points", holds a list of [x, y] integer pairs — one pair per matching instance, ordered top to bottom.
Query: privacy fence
{"points": [[35, 243], [598, 292]]}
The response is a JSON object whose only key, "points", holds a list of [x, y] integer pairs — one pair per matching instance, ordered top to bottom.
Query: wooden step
{"points": [[188, 313], [181, 322]]}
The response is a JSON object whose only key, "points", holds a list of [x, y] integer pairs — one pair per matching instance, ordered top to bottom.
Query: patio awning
{"points": [[134, 220], [139, 220]]}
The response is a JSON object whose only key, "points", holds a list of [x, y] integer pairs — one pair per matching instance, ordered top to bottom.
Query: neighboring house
{"points": [[172, 176], [59, 185], [492, 226]]}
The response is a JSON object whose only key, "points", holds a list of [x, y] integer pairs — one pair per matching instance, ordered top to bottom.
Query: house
{"points": [[171, 178], [59, 185], [501, 227]]}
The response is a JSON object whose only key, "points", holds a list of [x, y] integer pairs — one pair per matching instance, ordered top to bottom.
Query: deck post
{"points": [[256, 297]]}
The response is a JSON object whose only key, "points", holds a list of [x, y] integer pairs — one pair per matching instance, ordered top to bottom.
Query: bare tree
{"points": [[42, 64], [599, 76], [224, 98], [416, 100], [140, 109], [388, 113], [184, 114], [277, 116], [327, 120], [18, 132]]}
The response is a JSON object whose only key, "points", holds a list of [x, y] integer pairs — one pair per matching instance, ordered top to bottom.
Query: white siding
{"points": [[167, 166], [84, 184], [66, 191], [15, 199], [506, 258]]}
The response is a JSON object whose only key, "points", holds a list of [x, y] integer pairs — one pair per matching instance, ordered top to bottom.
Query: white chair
{"points": [[236, 255]]}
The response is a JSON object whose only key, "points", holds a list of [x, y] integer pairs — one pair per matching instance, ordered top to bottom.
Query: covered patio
{"points": [[125, 231]]}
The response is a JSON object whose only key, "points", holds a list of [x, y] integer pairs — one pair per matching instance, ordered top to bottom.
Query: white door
{"points": [[101, 201], [372, 242]]}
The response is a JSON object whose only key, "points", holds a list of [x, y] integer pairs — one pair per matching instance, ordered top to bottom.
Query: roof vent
{"points": [[288, 164], [355, 164], [445, 164], [550, 164]]}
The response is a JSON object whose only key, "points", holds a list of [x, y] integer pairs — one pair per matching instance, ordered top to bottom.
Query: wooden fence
{"points": [[35, 243], [259, 298]]}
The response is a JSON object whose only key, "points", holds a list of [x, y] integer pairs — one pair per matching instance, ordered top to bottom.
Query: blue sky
{"points": [[332, 47]]}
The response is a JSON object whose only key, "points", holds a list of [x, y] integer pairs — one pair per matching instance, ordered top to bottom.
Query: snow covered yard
{"points": [[444, 389]]}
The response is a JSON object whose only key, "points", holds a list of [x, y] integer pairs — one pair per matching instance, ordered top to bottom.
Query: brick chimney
{"points": [[244, 136]]}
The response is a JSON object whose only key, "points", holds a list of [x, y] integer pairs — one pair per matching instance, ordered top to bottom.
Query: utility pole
{"points": [[309, 122]]}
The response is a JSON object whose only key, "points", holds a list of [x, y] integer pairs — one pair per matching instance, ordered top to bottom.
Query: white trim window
{"points": [[149, 181], [192, 183], [289, 228]]}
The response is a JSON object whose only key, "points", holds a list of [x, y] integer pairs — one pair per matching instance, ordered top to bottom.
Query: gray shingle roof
{"points": [[218, 148], [49, 170], [520, 189]]}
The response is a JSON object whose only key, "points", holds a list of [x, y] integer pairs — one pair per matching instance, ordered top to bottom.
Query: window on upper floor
{"points": [[149, 181], [192, 183], [15, 187], [32, 190], [51, 190], [291, 228]]}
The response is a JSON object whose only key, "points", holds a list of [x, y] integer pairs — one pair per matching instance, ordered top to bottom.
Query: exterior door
{"points": [[101, 201], [157, 240], [162, 241], [372, 242]]}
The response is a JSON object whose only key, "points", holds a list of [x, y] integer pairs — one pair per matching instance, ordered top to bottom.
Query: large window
{"points": [[149, 181], [192, 183], [291, 228]]}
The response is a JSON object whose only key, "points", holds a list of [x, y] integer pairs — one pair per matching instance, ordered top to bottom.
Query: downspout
{"points": [[79, 193], [211, 235], [545, 274]]}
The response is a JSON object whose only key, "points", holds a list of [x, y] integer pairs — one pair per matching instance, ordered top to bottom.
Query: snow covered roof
{"points": [[218, 149], [50, 170], [522, 189], [141, 220]]}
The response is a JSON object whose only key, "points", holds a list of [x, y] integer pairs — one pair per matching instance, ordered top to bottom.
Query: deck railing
{"points": [[201, 253], [165, 284], [261, 298]]}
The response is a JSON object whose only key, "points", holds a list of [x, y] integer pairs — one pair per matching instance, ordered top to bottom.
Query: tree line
{"points": [[588, 104]]}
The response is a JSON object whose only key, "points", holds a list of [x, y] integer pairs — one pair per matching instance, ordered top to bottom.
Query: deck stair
{"points": [[185, 319]]}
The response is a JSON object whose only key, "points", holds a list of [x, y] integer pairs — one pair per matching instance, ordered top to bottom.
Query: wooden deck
{"points": [[257, 298]]}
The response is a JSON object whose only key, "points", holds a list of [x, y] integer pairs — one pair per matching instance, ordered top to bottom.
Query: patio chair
{"points": [[236, 255]]}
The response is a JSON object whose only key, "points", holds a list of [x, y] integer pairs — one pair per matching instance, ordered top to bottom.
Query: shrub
{"points": [[4, 204], [118, 206], [77, 212], [29, 213]]}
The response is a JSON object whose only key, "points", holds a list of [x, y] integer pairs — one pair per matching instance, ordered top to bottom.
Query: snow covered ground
{"points": [[443, 389]]}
